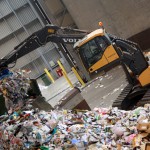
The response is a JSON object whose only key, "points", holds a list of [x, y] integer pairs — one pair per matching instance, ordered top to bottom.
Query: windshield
{"points": [[92, 51]]}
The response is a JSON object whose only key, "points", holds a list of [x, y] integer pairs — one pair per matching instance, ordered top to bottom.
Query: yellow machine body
{"points": [[109, 55], [144, 77]]}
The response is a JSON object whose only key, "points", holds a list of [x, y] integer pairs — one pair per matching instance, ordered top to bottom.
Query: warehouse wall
{"points": [[121, 17], [18, 20]]}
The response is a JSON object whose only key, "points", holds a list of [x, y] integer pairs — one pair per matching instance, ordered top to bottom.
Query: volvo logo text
{"points": [[69, 40]]}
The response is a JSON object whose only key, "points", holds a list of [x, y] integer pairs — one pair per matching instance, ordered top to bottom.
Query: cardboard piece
{"points": [[144, 127], [137, 141], [147, 147], [73, 148]]}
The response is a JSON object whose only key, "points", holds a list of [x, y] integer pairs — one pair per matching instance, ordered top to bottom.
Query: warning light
{"points": [[100, 24], [51, 30]]}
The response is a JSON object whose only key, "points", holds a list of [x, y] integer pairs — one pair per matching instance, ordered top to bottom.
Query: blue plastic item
{"points": [[5, 73]]}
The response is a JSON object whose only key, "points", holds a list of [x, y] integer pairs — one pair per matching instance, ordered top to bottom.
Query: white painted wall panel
{"points": [[17, 3], [4, 8], [26, 15], [13, 22], [35, 26], [4, 29], [21, 35], [6, 47]]}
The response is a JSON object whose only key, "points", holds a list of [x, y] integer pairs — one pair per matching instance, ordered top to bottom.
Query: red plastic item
{"points": [[59, 72]]}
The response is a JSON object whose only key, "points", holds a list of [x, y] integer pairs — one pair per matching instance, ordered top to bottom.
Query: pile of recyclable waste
{"points": [[24, 127], [101, 128]]}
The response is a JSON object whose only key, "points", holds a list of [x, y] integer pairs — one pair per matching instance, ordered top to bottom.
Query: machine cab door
{"points": [[92, 53]]}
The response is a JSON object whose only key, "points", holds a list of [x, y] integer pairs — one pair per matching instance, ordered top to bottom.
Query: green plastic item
{"points": [[45, 79], [137, 112], [44, 148]]}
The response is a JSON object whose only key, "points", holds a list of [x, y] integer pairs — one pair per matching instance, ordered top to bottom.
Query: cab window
{"points": [[102, 43], [92, 51]]}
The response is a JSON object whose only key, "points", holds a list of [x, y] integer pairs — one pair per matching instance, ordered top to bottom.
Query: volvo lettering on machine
{"points": [[70, 40]]}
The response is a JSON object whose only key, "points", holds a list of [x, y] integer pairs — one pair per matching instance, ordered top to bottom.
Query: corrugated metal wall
{"points": [[18, 20]]}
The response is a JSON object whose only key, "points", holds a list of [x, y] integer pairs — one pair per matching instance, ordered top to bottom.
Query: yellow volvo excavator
{"points": [[97, 50]]}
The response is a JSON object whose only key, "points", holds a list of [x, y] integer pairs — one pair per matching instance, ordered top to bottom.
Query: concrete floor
{"points": [[106, 88], [54, 92], [101, 92]]}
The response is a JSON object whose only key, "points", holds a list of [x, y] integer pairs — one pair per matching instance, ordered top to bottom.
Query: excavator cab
{"points": [[96, 51]]}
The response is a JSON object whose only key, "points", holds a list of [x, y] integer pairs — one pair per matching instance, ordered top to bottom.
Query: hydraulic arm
{"points": [[49, 33]]}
